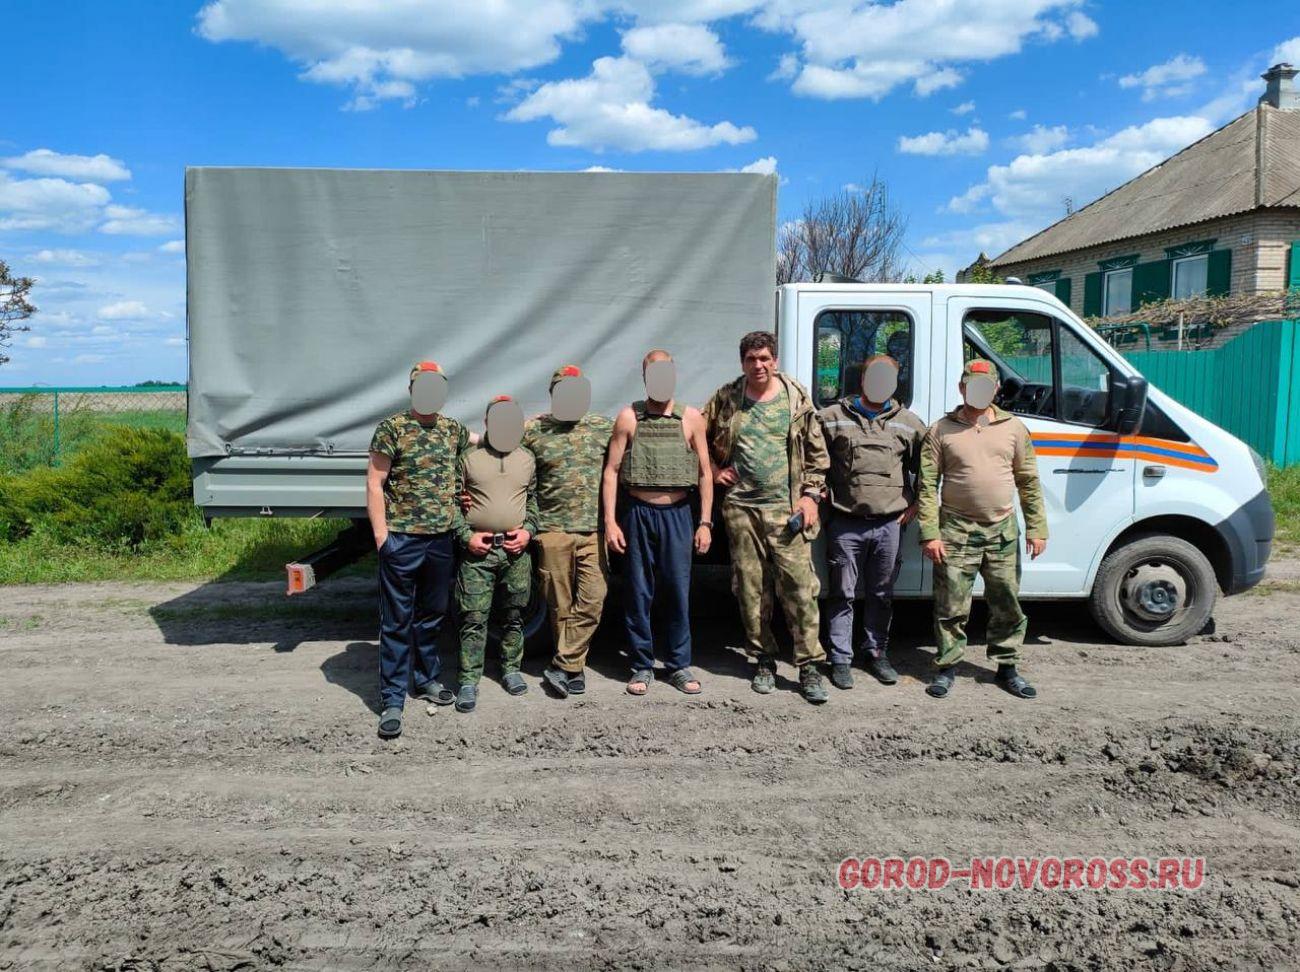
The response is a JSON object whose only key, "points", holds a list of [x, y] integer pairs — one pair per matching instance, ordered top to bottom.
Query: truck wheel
{"points": [[1153, 590]]}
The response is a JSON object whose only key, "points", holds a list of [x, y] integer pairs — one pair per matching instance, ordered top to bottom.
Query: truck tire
{"points": [[1153, 590]]}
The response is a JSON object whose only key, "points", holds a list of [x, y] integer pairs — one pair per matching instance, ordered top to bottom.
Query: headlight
{"points": [[1260, 468]]}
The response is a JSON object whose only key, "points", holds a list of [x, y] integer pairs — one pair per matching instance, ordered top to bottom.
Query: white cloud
{"points": [[1080, 26], [689, 48], [382, 50], [850, 50], [1288, 52], [786, 68], [1170, 79], [938, 80], [610, 108], [965, 108], [1018, 115], [1041, 139], [973, 142], [763, 166], [85, 168], [1031, 189], [49, 204], [128, 221], [990, 238], [172, 246], [65, 258], [125, 310], [34, 341], [175, 342], [85, 359]]}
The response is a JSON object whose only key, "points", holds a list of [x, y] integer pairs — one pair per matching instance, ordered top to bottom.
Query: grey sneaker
{"points": [[842, 675], [764, 680], [513, 682], [942, 683], [811, 685], [467, 698], [390, 722]]}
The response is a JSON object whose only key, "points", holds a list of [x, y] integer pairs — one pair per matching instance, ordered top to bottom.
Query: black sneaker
{"points": [[879, 668], [842, 675], [764, 680], [942, 684], [811, 685]]}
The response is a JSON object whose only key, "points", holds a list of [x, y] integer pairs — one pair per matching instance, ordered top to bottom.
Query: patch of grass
{"points": [[27, 429], [1284, 489], [229, 550]]}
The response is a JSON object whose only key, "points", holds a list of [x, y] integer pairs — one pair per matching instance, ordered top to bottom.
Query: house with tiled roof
{"points": [[1217, 218]]}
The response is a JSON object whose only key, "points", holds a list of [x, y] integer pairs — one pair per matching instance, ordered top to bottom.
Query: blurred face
{"points": [[759, 366], [978, 391]]}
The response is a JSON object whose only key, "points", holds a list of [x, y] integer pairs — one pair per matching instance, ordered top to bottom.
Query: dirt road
{"points": [[191, 779]]}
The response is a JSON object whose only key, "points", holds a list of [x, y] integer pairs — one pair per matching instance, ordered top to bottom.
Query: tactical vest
{"points": [[660, 457]]}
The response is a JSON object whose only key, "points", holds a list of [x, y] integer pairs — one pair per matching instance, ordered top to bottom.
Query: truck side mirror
{"points": [[1128, 402]]}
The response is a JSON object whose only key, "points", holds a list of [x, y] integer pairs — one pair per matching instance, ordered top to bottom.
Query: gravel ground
{"points": [[191, 780]]}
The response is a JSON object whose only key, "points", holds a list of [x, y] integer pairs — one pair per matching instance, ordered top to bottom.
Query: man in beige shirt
{"points": [[984, 456], [500, 481]]}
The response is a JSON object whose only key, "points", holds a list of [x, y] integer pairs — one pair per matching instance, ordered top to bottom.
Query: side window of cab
{"points": [[847, 338], [1045, 369]]}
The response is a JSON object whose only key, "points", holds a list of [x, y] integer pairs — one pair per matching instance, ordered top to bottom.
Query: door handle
{"points": [[1153, 472]]}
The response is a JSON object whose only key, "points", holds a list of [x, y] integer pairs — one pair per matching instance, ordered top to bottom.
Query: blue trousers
{"points": [[660, 545], [864, 548], [416, 572]]}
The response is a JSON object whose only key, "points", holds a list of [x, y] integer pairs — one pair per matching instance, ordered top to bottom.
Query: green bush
{"points": [[127, 489]]}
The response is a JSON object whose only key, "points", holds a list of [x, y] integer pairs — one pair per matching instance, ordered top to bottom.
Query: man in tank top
{"points": [[658, 454]]}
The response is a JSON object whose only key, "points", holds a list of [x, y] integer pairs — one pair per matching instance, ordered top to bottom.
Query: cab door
{"points": [[842, 328], [1057, 381]]}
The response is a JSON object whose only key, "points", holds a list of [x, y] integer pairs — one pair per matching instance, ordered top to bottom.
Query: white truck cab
{"points": [[1152, 509]]}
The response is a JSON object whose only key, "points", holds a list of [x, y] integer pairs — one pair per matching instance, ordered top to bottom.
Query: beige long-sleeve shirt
{"points": [[981, 467]]}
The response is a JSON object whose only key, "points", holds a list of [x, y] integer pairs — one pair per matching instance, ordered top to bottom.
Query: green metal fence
{"points": [[1249, 386], [40, 426]]}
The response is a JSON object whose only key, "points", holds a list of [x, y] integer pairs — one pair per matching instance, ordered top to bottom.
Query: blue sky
{"points": [[983, 116]]}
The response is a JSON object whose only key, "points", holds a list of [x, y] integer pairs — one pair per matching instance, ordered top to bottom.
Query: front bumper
{"points": [[1248, 536]]}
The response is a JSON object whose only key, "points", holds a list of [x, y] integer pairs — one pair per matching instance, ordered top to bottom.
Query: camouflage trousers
{"points": [[988, 551], [765, 558], [477, 582]]}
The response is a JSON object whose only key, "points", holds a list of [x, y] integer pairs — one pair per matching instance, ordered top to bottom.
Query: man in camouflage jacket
{"points": [[767, 448], [413, 500], [571, 561]]}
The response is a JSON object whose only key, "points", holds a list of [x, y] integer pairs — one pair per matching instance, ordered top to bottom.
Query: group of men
{"points": [[452, 508]]}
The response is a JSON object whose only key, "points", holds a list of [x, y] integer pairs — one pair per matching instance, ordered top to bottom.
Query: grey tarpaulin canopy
{"points": [[312, 291]]}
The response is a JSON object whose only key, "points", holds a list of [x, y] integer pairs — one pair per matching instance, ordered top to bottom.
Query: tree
{"points": [[857, 234], [14, 307]]}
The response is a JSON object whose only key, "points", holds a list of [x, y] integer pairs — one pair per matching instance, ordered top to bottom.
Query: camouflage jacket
{"points": [[806, 443], [570, 457], [981, 469], [422, 491]]}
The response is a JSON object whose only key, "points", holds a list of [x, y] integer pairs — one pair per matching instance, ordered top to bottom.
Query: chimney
{"points": [[1281, 92]]}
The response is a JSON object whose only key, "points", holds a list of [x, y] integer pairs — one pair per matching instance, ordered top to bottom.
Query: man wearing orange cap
{"points": [[569, 444], [983, 456], [412, 497]]}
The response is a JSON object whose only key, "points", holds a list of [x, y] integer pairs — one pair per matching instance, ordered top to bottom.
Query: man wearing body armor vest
{"points": [[658, 454]]}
